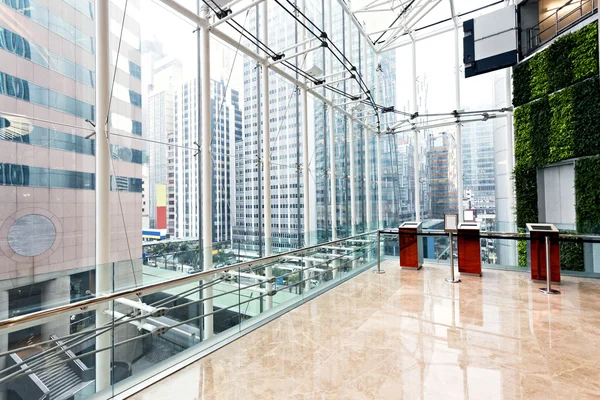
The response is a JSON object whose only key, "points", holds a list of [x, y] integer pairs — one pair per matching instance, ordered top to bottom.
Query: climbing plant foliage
{"points": [[570, 59], [587, 195]]}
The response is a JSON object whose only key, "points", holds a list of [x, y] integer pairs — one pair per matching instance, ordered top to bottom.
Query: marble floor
{"points": [[411, 335]]}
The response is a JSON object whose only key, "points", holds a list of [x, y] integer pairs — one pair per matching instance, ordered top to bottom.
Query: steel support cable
{"points": [[303, 16], [457, 16], [300, 21], [243, 30], [252, 38], [376, 41], [259, 43], [263, 47], [237, 49], [353, 71], [304, 74], [339, 91], [287, 107], [107, 136], [322, 272], [238, 290], [188, 292], [217, 295], [94, 303], [214, 312], [164, 329], [98, 331], [82, 336], [51, 341], [30, 370]]}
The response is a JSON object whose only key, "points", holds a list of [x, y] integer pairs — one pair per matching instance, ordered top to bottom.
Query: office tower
{"points": [[163, 74], [47, 76], [286, 149], [183, 159], [47, 163], [478, 168], [441, 174]]}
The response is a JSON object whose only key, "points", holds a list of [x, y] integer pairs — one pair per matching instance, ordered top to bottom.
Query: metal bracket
{"points": [[223, 13], [159, 331]]}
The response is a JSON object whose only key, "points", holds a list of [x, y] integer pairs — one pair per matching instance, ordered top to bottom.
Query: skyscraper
{"points": [[163, 74], [226, 117], [286, 149], [47, 163], [478, 167], [441, 174]]}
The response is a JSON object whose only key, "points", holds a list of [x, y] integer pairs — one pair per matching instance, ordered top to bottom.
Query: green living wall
{"points": [[570, 59], [557, 117]]}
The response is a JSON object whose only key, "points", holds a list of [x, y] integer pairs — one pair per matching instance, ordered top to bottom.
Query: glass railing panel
{"points": [[498, 253], [320, 269], [157, 325], [58, 356]]}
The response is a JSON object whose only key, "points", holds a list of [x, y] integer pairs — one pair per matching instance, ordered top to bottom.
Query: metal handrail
{"points": [[534, 39], [500, 235], [94, 302]]}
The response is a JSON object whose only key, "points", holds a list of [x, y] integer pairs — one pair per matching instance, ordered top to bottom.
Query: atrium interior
{"points": [[299, 199]]}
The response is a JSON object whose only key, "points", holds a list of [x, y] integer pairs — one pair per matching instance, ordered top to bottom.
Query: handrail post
{"points": [[378, 270], [452, 278], [548, 289]]}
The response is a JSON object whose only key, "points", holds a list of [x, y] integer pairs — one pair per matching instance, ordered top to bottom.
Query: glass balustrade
{"points": [[163, 312]]}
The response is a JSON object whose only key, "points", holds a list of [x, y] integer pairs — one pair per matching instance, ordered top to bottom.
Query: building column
{"points": [[331, 134], [266, 159], [367, 160], [305, 166], [459, 166], [504, 166], [417, 167], [305, 169], [352, 172], [352, 177], [368, 183], [379, 185], [207, 217], [380, 223], [103, 267]]}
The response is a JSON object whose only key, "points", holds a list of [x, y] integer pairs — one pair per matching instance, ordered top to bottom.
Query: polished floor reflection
{"points": [[411, 335]]}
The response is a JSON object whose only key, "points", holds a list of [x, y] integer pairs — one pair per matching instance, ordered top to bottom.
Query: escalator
{"points": [[58, 382]]}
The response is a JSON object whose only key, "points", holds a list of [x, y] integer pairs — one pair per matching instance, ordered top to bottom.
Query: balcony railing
{"points": [[559, 21], [160, 325]]}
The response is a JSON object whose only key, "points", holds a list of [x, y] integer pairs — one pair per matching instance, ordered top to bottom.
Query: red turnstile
{"points": [[411, 246], [469, 248], [537, 251]]}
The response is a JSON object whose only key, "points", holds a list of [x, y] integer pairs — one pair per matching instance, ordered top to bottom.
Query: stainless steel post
{"points": [[378, 270], [452, 278], [548, 289]]}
